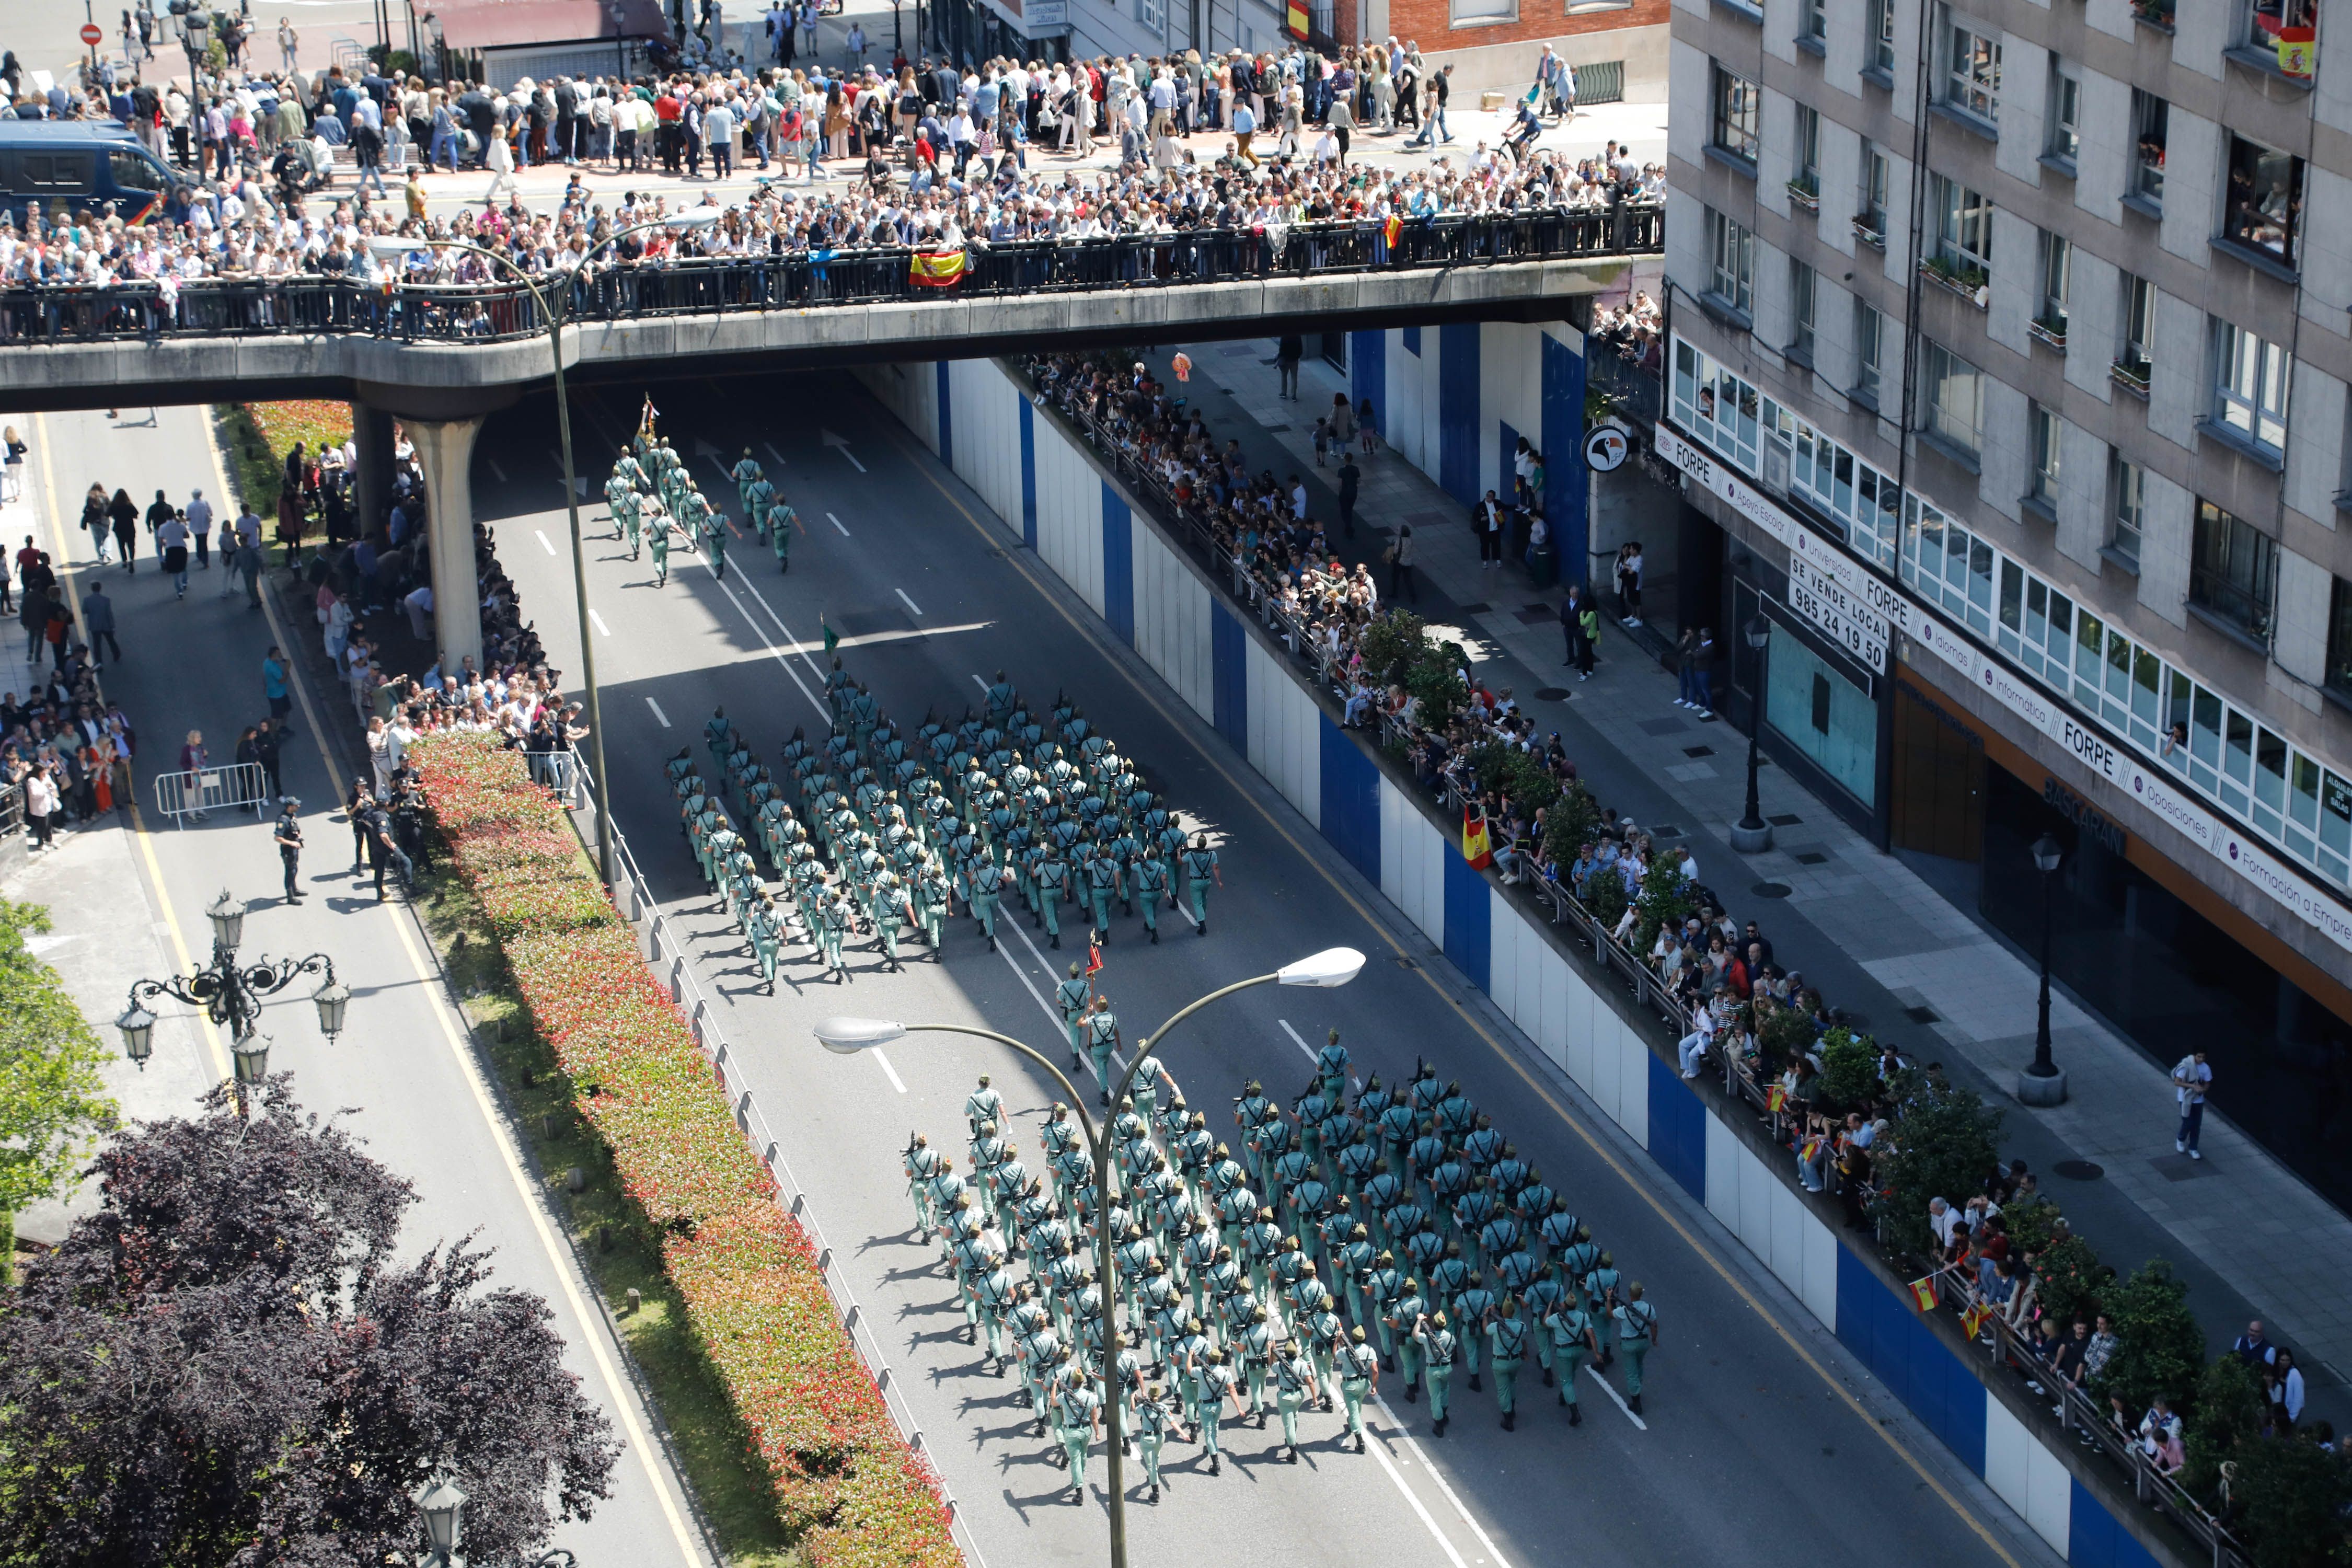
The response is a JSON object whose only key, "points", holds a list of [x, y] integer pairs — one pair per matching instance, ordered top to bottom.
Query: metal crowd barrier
{"points": [[429, 313], [183, 795], [666, 958]]}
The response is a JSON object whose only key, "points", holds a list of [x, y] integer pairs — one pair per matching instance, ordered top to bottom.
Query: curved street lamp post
{"points": [[385, 247], [232, 996], [846, 1036], [2041, 1082]]}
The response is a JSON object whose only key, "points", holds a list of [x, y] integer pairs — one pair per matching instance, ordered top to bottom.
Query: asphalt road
{"points": [[405, 1066], [1763, 1439]]}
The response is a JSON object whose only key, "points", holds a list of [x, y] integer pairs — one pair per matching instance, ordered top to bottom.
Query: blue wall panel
{"points": [[1411, 338], [1368, 368], [1457, 410], [947, 420], [1506, 445], [1028, 473], [1566, 491], [1119, 565], [1229, 675], [1351, 796], [1469, 917], [1678, 1129], [1881, 1326], [2094, 1539]]}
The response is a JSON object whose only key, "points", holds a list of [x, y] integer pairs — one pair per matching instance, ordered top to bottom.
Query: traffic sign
{"points": [[93, 35]]}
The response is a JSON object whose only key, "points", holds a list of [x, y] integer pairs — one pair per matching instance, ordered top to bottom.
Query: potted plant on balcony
{"points": [[2155, 13], [1804, 191], [1866, 229], [1966, 280], [2051, 329], [2131, 373]]}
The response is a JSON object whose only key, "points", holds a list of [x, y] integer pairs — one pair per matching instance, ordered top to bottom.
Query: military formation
{"points": [[652, 492], [873, 832], [1395, 1232]]}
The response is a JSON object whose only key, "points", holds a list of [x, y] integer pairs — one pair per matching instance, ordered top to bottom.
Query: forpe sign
{"points": [[1606, 447]]}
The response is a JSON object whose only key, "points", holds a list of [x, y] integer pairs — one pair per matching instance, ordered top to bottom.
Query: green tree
{"points": [[1392, 643], [1435, 679], [1569, 822], [1666, 900], [1783, 1035], [1849, 1069], [52, 1099], [1942, 1148], [2069, 1278], [2160, 1349], [2228, 1411], [2291, 1495]]}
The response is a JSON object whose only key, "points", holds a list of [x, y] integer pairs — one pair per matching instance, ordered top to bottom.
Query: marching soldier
{"points": [[657, 543], [1200, 868], [1152, 886], [1075, 995], [1102, 1042], [1601, 1288], [1569, 1329], [1637, 1335], [1506, 1339], [1437, 1346], [1359, 1374], [1294, 1382], [1217, 1391], [1079, 1409], [1153, 1421]]}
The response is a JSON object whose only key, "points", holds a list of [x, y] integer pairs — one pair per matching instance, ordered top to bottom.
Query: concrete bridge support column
{"points": [[371, 430], [445, 449]]}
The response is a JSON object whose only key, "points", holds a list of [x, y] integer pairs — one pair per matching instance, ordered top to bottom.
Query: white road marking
{"points": [[774, 453], [556, 457], [501, 473], [838, 523], [544, 542], [912, 606], [601, 629], [797, 647], [773, 651], [982, 684], [658, 712], [1295, 1040], [888, 1072], [1614, 1399], [1380, 1452], [1436, 1474]]}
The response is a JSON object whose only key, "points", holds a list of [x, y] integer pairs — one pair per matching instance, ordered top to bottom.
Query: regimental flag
{"points": [[1392, 230], [935, 269], [647, 417], [831, 638], [1477, 848], [1094, 957], [1776, 1099], [1922, 1294], [1973, 1320]]}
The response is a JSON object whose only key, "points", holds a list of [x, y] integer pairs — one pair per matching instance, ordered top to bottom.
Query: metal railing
{"points": [[487, 312], [184, 794], [12, 809], [666, 957], [1649, 990]]}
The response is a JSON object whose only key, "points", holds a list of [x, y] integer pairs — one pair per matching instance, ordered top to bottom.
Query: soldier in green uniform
{"points": [[744, 473], [759, 500], [782, 520], [711, 524], [657, 542], [1200, 869], [1052, 877], [1152, 886], [1102, 887], [987, 891], [931, 897], [888, 912], [838, 917], [767, 931], [1075, 995], [1102, 1042], [923, 1165], [1601, 1294], [1470, 1309], [1402, 1319], [1570, 1328], [1637, 1335], [1255, 1343], [1506, 1344], [1437, 1346], [1359, 1375], [1294, 1384], [1217, 1391], [1079, 1409], [1154, 1419]]}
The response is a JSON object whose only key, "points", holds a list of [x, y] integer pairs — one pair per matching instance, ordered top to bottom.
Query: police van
{"points": [[74, 166]]}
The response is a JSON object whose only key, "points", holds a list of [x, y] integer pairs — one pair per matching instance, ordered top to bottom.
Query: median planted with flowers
{"points": [[848, 1487]]}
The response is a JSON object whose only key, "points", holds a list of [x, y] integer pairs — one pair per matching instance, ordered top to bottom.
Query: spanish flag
{"points": [[1295, 18], [1391, 229], [935, 269], [1476, 846], [1776, 1099], [1923, 1293], [1973, 1320]]}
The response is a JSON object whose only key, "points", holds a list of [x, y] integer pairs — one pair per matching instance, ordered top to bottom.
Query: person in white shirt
{"points": [[2190, 1078]]}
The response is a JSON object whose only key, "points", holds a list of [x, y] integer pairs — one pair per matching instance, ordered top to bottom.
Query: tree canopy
{"points": [[51, 1095]]}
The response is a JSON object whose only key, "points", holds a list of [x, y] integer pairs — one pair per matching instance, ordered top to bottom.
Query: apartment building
{"points": [[2010, 350]]}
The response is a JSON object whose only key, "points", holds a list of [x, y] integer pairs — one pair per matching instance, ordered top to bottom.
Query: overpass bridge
{"points": [[440, 358]]}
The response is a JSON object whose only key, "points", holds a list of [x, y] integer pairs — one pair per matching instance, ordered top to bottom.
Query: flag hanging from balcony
{"points": [[1297, 19], [1394, 228], [935, 269], [1476, 849], [1923, 1293]]}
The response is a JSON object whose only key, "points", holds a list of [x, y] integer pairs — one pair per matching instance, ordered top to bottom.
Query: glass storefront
{"points": [[1819, 710], [2172, 980]]}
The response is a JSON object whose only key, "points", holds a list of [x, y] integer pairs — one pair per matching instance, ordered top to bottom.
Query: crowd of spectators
{"points": [[1635, 331], [64, 751]]}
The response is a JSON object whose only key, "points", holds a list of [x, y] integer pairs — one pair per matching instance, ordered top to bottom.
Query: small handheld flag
{"points": [[1476, 849], [1923, 1293]]}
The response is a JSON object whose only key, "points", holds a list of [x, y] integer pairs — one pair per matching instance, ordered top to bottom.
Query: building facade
{"points": [[2010, 346]]}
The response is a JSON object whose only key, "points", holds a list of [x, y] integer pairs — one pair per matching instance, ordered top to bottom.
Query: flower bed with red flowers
{"points": [[314, 422], [847, 1485]]}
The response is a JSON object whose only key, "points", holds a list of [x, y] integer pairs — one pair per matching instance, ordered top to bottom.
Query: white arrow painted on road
{"points": [[833, 440], [703, 448], [580, 484]]}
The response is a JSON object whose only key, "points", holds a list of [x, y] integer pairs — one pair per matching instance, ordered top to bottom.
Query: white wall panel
{"points": [[1069, 519], [1172, 622], [1285, 737], [1412, 863], [1558, 988], [1577, 1046], [1608, 1064], [1633, 1075], [1726, 1180], [1756, 1187], [1819, 1246], [1786, 1254], [2027, 1475]]}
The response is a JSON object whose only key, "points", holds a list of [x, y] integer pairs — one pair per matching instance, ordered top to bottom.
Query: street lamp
{"points": [[195, 27], [385, 247], [1754, 835], [232, 996], [847, 1037], [2042, 1083], [442, 1504]]}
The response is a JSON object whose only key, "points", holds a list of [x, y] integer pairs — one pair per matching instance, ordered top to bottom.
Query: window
{"points": [[1472, 13], [1817, 23], [2284, 29], [1880, 52], [1971, 68], [1737, 105], [2066, 111], [2150, 117], [133, 173], [1808, 178], [2263, 208], [1873, 212], [1963, 231], [1733, 250], [2055, 269], [1804, 284], [2139, 325], [1869, 337], [2250, 385], [1951, 398], [2047, 442], [2126, 492], [2232, 570], [2339, 638]]}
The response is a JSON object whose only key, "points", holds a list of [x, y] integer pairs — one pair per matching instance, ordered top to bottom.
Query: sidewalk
{"points": [[2249, 1237]]}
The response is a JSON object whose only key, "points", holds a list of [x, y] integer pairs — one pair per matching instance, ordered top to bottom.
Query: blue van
{"points": [[77, 166]]}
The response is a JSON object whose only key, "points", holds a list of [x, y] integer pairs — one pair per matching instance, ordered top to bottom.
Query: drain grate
{"points": [[1534, 614], [1551, 693], [1698, 750], [1786, 819], [1811, 857], [1770, 890], [1922, 1015], [2079, 1170]]}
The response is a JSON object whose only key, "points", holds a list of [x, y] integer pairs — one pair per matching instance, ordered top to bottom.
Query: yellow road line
{"points": [[69, 575], [430, 977], [1516, 1062]]}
